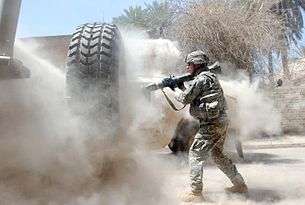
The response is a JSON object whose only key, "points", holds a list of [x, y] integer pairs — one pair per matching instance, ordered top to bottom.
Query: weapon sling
{"points": [[170, 102]]}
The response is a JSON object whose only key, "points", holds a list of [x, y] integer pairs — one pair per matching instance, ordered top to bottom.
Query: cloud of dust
{"points": [[149, 57], [149, 60], [252, 112], [49, 156], [43, 157]]}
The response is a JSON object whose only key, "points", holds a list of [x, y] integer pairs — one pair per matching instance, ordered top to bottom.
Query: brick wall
{"points": [[290, 102]]}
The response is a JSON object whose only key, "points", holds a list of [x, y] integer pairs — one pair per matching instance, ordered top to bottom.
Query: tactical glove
{"points": [[169, 82]]}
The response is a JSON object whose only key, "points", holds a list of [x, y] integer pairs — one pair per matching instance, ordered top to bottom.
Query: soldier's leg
{"points": [[198, 153], [222, 161], [226, 166]]}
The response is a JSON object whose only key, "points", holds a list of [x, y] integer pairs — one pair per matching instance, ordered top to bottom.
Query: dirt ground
{"points": [[274, 176]]}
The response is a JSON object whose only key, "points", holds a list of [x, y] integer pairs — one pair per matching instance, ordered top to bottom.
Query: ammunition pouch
{"points": [[210, 105], [212, 110]]}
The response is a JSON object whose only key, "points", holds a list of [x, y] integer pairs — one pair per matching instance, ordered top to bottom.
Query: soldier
{"points": [[208, 105]]}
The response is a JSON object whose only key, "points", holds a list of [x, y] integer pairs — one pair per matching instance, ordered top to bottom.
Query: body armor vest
{"points": [[210, 104]]}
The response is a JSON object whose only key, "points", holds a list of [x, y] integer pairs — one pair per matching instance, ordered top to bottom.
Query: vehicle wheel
{"points": [[92, 77]]}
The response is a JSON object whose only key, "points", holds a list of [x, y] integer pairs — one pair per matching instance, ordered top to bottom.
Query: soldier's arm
{"points": [[181, 86], [191, 92]]}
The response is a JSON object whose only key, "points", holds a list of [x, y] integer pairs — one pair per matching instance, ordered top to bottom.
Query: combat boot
{"points": [[239, 185], [237, 189], [192, 197]]}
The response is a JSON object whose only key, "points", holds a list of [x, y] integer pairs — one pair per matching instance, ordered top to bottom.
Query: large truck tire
{"points": [[92, 76]]}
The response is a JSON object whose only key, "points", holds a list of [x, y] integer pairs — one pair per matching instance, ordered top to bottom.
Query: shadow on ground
{"points": [[266, 158], [181, 159], [257, 195], [264, 195]]}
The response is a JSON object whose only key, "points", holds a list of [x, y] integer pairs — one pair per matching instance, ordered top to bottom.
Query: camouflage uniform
{"points": [[208, 105]]}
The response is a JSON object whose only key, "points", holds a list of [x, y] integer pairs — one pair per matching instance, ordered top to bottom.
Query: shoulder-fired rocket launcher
{"points": [[173, 82]]}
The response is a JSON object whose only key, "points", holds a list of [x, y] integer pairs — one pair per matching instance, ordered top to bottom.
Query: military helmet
{"points": [[197, 57]]}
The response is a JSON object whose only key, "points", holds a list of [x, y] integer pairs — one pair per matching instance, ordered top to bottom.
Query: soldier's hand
{"points": [[169, 82], [181, 86]]}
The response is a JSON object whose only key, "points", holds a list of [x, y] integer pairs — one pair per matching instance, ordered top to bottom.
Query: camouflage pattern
{"points": [[197, 57], [205, 97], [208, 105], [209, 141]]}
